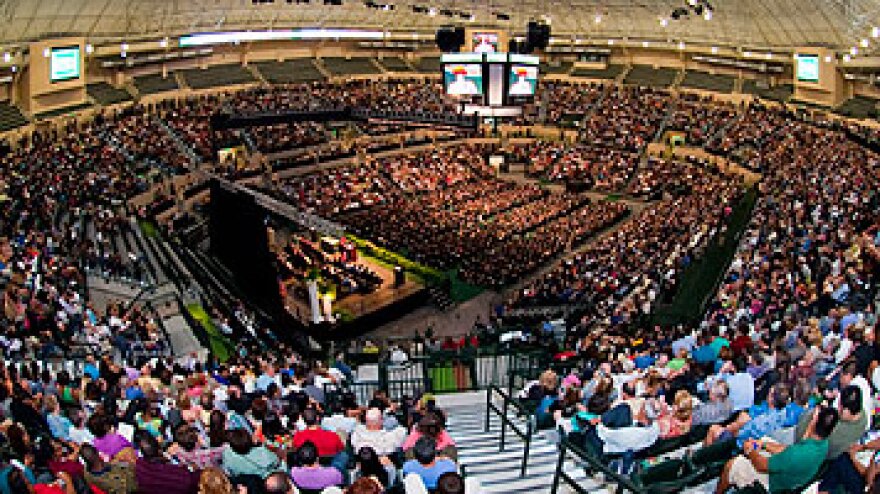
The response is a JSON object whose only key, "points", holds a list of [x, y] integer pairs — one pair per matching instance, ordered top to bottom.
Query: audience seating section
{"points": [[395, 64], [429, 65], [349, 66], [556, 68], [289, 71], [609, 72], [217, 75], [645, 75], [710, 82], [155, 83], [776, 93], [105, 94], [858, 107], [64, 110], [10, 117]]}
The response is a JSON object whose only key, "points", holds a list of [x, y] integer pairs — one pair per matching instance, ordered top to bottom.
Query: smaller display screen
{"points": [[485, 42], [64, 64], [808, 68], [463, 79], [523, 80]]}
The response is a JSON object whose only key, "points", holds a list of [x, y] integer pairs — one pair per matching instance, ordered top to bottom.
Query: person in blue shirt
{"points": [[266, 378], [740, 382], [426, 464]]}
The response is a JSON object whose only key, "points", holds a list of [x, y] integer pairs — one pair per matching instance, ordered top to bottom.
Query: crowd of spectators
{"points": [[700, 118], [597, 167], [623, 273], [275, 423]]}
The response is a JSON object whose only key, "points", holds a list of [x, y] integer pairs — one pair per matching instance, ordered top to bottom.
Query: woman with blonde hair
{"points": [[676, 420], [214, 481]]}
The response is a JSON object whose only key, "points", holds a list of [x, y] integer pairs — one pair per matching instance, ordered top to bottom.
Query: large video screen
{"points": [[485, 42], [64, 63], [808, 68], [463, 79], [523, 80]]}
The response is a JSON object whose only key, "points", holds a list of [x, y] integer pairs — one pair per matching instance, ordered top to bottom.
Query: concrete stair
{"points": [[499, 471]]}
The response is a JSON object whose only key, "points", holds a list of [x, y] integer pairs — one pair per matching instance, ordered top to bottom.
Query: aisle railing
{"points": [[524, 433]]}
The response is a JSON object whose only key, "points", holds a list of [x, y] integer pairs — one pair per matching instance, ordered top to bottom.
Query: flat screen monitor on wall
{"points": [[485, 42], [64, 64], [808, 68], [463, 79], [523, 80]]}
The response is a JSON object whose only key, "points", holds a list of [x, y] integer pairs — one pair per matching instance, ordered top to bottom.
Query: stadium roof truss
{"points": [[771, 24]]}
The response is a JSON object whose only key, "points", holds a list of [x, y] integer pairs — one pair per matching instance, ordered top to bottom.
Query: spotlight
{"points": [[707, 15], [598, 18], [664, 22], [875, 32], [864, 43], [90, 48], [714, 49], [854, 50]]}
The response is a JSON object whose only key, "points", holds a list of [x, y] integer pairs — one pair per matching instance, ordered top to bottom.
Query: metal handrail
{"points": [[525, 435], [560, 475]]}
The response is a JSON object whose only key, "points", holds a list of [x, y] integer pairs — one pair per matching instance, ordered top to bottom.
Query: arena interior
{"points": [[439, 246]]}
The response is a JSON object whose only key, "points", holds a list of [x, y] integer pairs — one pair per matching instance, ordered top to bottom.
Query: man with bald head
{"points": [[372, 434]]}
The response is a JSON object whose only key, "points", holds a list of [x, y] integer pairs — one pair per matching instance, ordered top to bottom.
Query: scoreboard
{"points": [[490, 79]]}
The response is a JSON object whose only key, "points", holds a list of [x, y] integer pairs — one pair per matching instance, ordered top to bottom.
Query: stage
{"points": [[346, 306]]}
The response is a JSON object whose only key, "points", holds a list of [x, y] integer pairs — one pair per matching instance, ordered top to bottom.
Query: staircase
{"points": [[323, 70], [256, 73], [622, 76], [678, 78], [182, 146], [499, 471]]}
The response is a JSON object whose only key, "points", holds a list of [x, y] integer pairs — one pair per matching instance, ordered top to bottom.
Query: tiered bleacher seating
{"points": [[395, 64], [429, 65], [349, 66], [556, 68], [289, 71], [609, 72], [217, 75], [645, 75], [155, 83], [718, 83], [776, 93], [105, 94], [858, 107], [64, 110], [10, 117]]}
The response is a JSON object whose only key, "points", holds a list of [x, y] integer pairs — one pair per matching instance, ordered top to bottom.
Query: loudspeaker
{"points": [[538, 36], [450, 40], [514, 46]]}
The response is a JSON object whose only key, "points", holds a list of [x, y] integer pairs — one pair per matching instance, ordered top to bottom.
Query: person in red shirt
{"points": [[742, 344], [328, 443]]}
